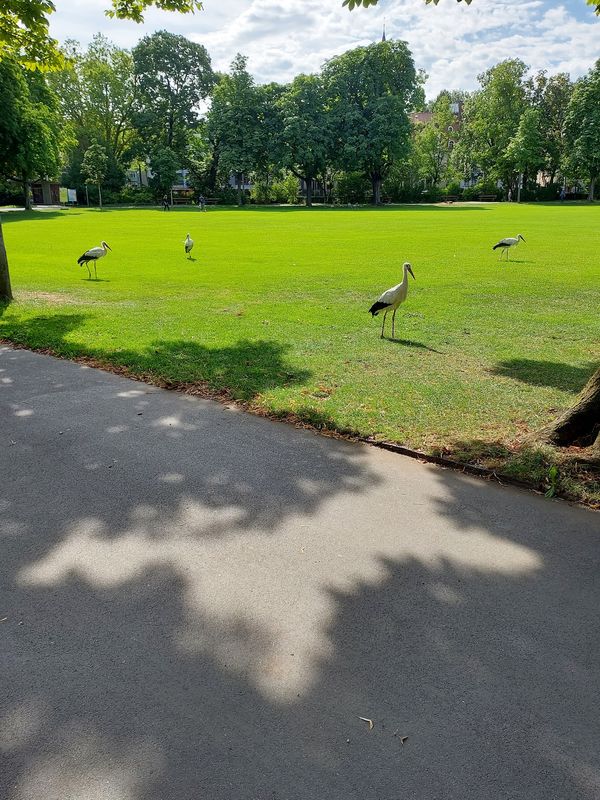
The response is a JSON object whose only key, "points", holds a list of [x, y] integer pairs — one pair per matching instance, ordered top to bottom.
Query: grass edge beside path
{"points": [[566, 474]]}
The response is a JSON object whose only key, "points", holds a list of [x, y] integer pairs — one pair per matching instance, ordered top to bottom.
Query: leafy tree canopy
{"points": [[351, 4], [24, 26], [173, 75], [97, 90], [371, 90], [234, 120], [582, 127], [31, 131], [307, 134]]}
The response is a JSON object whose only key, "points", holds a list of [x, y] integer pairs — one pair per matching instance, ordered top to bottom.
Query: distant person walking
{"points": [[563, 194], [510, 195], [165, 203], [202, 203]]}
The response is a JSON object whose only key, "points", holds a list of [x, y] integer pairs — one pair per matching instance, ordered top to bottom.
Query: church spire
{"points": [[383, 34]]}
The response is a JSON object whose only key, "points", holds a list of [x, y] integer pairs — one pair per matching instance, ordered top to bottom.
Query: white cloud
{"points": [[452, 42]]}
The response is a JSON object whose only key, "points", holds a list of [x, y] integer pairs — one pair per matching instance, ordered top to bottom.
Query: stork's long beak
{"points": [[522, 239], [108, 247], [412, 273]]}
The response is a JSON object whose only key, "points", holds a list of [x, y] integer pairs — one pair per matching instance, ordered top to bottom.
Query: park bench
{"points": [[451, 198], [488, 198], [183, 201], [211, 201]]}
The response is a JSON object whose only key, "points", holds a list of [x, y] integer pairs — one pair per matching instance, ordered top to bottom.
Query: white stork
{"points": [[189, 243], [506, 244], [93, 255], [392, 298]]}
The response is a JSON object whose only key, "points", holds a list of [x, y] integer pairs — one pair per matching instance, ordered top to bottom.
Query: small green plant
{"points": [[552, 479]]}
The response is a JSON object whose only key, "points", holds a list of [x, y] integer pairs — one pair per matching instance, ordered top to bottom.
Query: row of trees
{"points": [[163, 106], [143, 108]]}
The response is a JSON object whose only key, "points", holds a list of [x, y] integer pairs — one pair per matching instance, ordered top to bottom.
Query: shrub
{"points": [[351, 187], [481, 187], [453, 188], [285, 190], [261, 192], [11, 195], [132, 196], [226, 196]]}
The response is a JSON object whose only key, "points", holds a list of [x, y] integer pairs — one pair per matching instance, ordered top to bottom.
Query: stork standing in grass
{"points": [[189, 243], [506, 244], [93, 255], [392, 298]]}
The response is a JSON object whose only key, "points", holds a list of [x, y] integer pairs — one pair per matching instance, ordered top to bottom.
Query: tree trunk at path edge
{"points": [[376, 181], [308, 182], [592, 188], [100, 196], [5, 288], [581, 423]]}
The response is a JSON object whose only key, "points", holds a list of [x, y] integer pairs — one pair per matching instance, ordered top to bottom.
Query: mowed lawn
{"points": [[273, 310]]}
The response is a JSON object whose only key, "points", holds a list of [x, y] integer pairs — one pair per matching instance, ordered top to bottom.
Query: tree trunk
{"points": [[170, 129], [212, 172], [238, 180], [376, 181], [308, 182], [592, 188], [26, 194], [100, 196], [5, 289], [580, 424]]}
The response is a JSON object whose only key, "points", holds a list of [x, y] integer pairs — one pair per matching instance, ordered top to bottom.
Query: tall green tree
{"points": [[173, 75], [96, 90], [370, 92], [551, 95], [490, 120], [234, 121], [30, 127], [582, 128], [306, 130], [435, 139], [525, 151], [268, 157], [164, 164], [94, 166]]}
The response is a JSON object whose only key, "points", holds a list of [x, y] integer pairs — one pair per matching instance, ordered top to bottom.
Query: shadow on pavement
{"points": [[201, 604]]}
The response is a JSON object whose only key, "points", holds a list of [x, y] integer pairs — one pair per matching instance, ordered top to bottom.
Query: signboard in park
{"points": [[63, 195], [72, 195]]}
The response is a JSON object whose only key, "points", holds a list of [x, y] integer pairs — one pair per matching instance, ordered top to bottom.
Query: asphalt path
{"points": [[199, 604]]}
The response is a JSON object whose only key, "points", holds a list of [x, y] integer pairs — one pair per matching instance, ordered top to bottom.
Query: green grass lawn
{"points": [[273, 310]]}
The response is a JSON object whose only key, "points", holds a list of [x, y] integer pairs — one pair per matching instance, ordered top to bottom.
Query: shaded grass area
{"points": [[273, 313]]}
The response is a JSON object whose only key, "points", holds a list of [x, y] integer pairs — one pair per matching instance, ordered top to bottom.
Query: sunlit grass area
{"points": [[272, 311]]}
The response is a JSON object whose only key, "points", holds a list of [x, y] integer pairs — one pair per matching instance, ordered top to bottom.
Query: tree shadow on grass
{"points": [[336, 209], [35, 216], [241, 370], [566, 377]]}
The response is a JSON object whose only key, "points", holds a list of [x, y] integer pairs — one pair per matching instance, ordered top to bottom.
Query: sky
{"points": [[452, 42]]}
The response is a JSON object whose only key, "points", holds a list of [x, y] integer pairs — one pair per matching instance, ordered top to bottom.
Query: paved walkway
{"points": [[197, 604]]}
